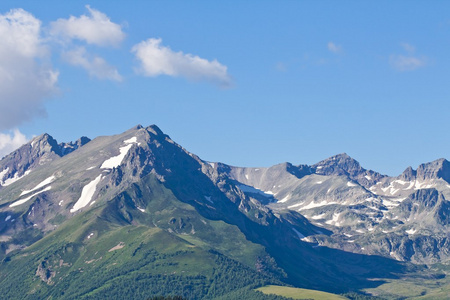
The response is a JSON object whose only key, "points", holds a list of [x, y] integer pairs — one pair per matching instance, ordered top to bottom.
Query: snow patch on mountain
{"points": [[132, 140], [115, 161], [3, 173], [15, 178], [40, 185], [397, 185], [411, 185], [86, 194], [285, 199], [22, 201], [390, 204], [295, 205], [314, 205], [318, 217], [335, 220], [411, 231], [300, 236]]}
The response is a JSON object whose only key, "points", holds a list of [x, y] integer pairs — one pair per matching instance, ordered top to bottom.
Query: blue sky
{"points": [[249, 84]]}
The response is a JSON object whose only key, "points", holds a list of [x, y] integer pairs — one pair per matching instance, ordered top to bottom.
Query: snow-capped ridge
{"points": [[38, 151], [337, 192]]}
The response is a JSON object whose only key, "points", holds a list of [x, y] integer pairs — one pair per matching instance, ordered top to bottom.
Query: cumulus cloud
{"points": [[96, 28], [75, 33], [334, 48], [157, 59], [408, 62], [94, 65], [26, 77], [11, 141]]}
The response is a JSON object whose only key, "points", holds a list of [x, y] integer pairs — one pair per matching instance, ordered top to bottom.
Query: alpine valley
{"points": [[136, 215]]}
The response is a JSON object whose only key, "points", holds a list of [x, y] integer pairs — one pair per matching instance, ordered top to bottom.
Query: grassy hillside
{"points": [[145, 242], [118, 251], [431, 283], [296, 293]]}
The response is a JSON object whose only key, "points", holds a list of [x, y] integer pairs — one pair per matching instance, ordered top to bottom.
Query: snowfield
{"points": [[115, 161], [14, 179], [40, 185], [86, 194], [29, 197]]}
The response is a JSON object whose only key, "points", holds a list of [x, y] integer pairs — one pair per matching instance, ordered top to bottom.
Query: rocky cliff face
{"points": [[366, 211]]}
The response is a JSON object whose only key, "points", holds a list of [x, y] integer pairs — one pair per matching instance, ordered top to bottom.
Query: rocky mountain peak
{"points": [[155, 130], [83, 141], [43, 143], [66, 148], [39, 151], [341, 164], [436, 169], [300, 170], [408, 175], [141, 177]]}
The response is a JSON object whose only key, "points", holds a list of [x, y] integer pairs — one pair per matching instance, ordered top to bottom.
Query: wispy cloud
{"points": [[96, 28], [332, 47], [408, 47], [156, 59], [409, 61], [94, 65], [280, 66], [26, 76], [11, 141]]}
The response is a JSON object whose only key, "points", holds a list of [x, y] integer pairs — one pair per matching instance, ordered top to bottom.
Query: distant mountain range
{"points": [[136, 215]]}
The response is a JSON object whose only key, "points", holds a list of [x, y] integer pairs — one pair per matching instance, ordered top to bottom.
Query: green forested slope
{"points": [[116, 251]]}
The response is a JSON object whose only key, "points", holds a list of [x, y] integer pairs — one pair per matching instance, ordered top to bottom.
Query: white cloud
{"points": [[95, 29], [334, 48], [408, 48], [156, 60], [408, 62], [94, 65], [26, 77], [10, 142]]}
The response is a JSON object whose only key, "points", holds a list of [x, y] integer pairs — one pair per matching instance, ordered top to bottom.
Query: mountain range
{"points": [[136, 215]]}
